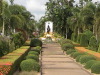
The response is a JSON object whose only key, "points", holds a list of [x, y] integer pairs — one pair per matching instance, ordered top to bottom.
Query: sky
{"points": [[36, 7]]}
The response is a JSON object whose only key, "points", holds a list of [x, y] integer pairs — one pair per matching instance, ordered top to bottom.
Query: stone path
{"points": [[55, 62]]}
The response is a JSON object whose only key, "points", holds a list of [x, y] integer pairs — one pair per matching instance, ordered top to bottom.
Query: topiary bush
{"points": [[88, 33], [73, 37], [79, 37], [18, 39], [84, 40], [64, 41], [35, 42], [4, 45], [93, 45], [67, 46], [99, 48], [70, 51], [33, 53], [77, 54], [31, 56], [85, 58], [89, 64], [27, 65], [36, 66], [96, 68]]}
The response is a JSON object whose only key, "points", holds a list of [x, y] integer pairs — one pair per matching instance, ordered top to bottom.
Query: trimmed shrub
{"points": [[88, 33], [73, 37], [79, 37], [18, 39], [84, 40], [64, 41], [35, 42], [4, 45], [93, 45], [67, 46], [99, 48], [70, 51], [33, 53], [73, 53], [77, 54], [31, 56], [85, 58], [89, 64], [27, 65], [36, 66], [96, 68]]}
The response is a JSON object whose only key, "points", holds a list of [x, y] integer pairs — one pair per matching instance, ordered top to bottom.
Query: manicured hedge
{"points": [[84, 40], [35, 42], [93, 45], [70, 51], [85, 58], [12, 60], [89, 64], [96, 68]]}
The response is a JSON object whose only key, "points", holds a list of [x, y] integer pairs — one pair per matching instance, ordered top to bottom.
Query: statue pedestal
{"points": [[48, 35]]}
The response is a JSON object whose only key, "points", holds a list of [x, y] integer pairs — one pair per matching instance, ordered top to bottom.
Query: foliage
{"points": [[88, 33], [74, 37], [79, 37], [84, 40], [64, 41], [35, 42], [4, 45], [93, 45], [67, 46], [99, 48], [70, 51], [33, 53], [77, 54], [31, 56], [86, 58], [89, 64], [27, 65], [96, 68]]}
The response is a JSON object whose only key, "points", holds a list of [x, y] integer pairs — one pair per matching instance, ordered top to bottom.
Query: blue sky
{"points": [[36, 7]]}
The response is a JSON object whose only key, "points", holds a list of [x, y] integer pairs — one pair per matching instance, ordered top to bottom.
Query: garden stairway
{"points": [[55, 62]]}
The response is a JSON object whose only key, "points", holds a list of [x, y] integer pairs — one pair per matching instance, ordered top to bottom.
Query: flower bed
{"points": [[83, 49], [10, 62]]}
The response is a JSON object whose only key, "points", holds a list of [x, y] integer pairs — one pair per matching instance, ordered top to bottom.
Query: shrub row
{"points": [[87, 39], [66, 44], [12, 60], [32, 60], [88, 61]]}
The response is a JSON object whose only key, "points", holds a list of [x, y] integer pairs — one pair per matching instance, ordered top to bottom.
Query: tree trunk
{"points": [[3, 29]]}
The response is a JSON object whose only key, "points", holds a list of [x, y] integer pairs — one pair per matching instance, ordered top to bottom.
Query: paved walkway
{"points": [[55, 62]]}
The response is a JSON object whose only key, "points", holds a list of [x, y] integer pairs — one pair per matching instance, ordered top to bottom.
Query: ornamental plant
{"points": [[84, 40], [35, 42], [93, 45], [67, 46], [70, 51], [33, 53], [77, 54], [31, 56], [85, 58], [89, 64], [27, 65], [96, 68]]}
